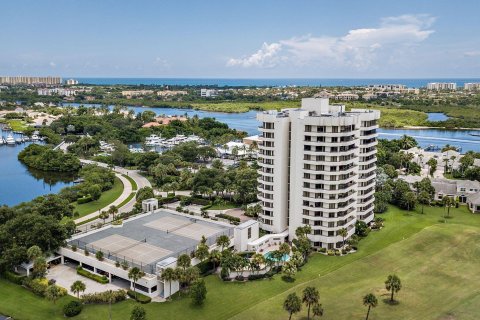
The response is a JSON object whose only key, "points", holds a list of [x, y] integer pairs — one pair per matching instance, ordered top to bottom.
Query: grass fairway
{"points": [[106, 198], [438, 264]]}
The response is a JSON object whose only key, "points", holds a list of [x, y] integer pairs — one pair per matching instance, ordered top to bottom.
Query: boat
{"points": [[7, 128], [475, 134], [35, 137], [10, 140], [18, 140], [80, 180]]}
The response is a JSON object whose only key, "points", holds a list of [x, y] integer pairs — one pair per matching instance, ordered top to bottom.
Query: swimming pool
{"points": [[268, 256]]}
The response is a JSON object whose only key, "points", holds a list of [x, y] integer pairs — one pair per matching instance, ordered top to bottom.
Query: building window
{"points": [[249, 233]]}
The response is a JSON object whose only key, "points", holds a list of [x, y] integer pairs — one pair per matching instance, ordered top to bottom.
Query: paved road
{"points": [[127, 190]]}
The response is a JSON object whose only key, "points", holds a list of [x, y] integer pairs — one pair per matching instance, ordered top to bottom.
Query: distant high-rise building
{"points": [[30, 80], [71, 82], [441, 86], [472, 86], [208, 93], [317, 167]]}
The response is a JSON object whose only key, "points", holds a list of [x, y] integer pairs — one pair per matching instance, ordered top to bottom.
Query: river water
{"points": [[18, 184]]}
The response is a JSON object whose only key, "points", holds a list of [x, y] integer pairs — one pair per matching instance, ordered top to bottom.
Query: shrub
{"points": [[84, 199], [200, 201], [228, 217], [117, 222], [74, 247], [322, 250], [344, 251], [86, 252], [330, 252], [337, 252], [99, 255], [117, 264], [125, 265], [205, 267], [224, 274], [92, 276], [256, 276], [14, 277], [240, 278], [38, 286], [103, 297], [139, 297], [72, 309]]}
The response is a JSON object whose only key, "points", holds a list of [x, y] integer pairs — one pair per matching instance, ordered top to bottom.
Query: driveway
{"points": [[66, 274]]}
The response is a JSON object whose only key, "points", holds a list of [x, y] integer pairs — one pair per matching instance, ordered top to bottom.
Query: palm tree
{"points": [[424, 198], [448, 202], [113, 210], [104, 216], [343, 233], [223, 241], [284, 249], [202, 252], [215, 258], [257, 260], [184, 261], [135, 274], [169, 275], [393, 284], [77, 287], [110, 298], [310, 298], [370, 301], [292, 304], [317, 310]]}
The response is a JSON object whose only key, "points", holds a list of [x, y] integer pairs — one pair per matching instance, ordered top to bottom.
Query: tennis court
{"points": [[190, 228], [121, 246]]}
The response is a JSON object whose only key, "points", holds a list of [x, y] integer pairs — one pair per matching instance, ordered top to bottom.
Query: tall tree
{"points": [[343, 233], [134, 274], [169, 275], [393, 284], [77, 287], [52, 293], [311, 296], [370, 301], [292, 304]]}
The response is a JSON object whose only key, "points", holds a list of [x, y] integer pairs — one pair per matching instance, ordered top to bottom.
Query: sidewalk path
{"points": [[127, 190]]}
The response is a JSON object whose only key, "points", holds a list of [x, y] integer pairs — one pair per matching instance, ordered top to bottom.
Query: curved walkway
{"points": [[127, 189]]}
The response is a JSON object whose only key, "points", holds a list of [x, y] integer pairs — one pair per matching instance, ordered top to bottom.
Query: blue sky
{"points": [[244, 39]]}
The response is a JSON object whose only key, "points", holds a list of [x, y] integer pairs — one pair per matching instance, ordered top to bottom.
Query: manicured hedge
{"points": [[85, 199], [200, 201], [228, 217], [205, 267], [92, 276], [13, 277], [139, 297]]}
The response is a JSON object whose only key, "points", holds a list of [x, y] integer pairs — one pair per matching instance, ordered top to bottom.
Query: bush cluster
{"points": [[228, 217], [92, 276], [14, 277], [39, 286], [103, 297], [72, 309]]}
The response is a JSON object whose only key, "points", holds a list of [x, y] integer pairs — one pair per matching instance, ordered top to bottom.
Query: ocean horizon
{"points": [[271, 82]]}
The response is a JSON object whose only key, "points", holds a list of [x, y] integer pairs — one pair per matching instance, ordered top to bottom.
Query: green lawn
{"points": [[17, 125], [132, 182], [106, 198], [124, 202], [223, 206], [437, 262]]}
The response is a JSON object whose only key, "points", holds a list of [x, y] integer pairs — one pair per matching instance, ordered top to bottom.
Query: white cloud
{"points": [[359, 48], [472, 54], [267, 56], [160, 62], [52, 64]]}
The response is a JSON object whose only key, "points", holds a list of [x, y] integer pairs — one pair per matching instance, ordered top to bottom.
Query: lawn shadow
{"points": [[288, 279], [390, 302]]}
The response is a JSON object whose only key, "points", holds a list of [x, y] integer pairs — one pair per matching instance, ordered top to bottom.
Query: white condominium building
{"points": [[30, 80], [441, 86], [472, 86], [317, 167]]}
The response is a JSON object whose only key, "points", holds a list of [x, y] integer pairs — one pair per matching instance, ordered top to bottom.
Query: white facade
{"points": [[71, 82], [442, 86], [471, 86], [208, 93], [317, 167], [245, 233]]}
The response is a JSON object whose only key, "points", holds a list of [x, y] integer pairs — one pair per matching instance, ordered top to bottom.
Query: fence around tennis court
{"points": [[145, 267]]}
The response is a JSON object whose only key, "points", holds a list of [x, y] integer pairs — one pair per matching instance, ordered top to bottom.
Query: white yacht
{"points": [[35, 137], [10, 140], [153, 140]]}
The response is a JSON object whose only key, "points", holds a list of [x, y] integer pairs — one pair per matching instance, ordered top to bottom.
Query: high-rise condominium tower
{"points": [[317, 167]]}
